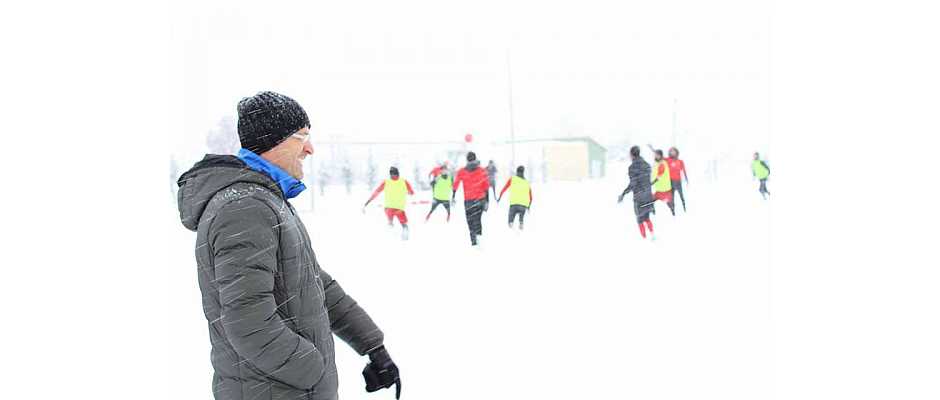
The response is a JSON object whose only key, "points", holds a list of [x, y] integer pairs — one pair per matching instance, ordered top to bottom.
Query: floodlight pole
{"points": [[512, 132]]}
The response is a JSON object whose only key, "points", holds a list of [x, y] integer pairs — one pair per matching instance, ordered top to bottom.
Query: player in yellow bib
{"points": [[761, 171], [662, 184], [443, 187], [395, 190], [520, 196]]}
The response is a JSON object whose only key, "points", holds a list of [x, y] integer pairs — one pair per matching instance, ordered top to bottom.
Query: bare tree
{"points": [[371, 172], [174, 175], [324, 176], [347, 177], [417, 179]]}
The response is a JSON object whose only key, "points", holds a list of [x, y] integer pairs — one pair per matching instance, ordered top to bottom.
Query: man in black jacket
{"points": [[639, 173], [272, 310]]}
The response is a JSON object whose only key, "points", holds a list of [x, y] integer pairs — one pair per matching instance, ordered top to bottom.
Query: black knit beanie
{"points": [[266, 119], [471, 156]]}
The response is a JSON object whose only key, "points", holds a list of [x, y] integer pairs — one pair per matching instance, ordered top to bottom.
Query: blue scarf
{"points": [[289, 185]]}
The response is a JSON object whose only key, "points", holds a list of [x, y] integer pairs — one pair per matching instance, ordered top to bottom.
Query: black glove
{"points": [[619, 199], [486, 205], [381, 373]]}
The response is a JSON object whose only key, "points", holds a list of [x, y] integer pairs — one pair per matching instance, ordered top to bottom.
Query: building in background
{"points": [[560, 159]]}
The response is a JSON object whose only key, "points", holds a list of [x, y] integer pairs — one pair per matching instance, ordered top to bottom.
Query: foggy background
{"points": [[423, 72]]}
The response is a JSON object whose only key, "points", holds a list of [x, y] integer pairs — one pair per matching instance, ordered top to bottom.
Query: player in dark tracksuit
{"points": [[639, 173], [491, 175]]}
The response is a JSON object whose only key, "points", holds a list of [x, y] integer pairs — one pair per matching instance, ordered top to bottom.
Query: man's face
{"points": [[673, 153], [289, 155], [756, 156], [659, 157]]}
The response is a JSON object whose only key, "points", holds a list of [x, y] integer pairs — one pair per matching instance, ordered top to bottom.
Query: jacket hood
{"points": [[208, 177]]}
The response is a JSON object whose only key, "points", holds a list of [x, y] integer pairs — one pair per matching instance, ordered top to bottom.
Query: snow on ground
{"points": [[577, 306]]}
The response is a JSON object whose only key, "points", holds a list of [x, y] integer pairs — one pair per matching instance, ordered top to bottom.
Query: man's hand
{"points": [[620, 199], [382, 372]]}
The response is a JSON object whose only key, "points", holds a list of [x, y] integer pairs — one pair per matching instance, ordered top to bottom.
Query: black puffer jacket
{"points": [[639, 173], [272, 310]]}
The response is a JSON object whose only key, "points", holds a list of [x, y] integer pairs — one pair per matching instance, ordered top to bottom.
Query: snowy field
{"points": [[577, 306]]}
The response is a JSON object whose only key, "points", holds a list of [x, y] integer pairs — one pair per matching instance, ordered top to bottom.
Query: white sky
{"points": [[430, 71]]}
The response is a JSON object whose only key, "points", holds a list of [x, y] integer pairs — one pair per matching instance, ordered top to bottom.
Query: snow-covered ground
{"points": [[577, 306]]}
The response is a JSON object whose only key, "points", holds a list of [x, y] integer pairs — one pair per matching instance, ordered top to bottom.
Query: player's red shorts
{"points": [[664, 196], [394, 212]]}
